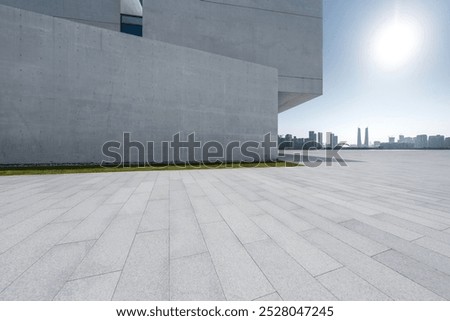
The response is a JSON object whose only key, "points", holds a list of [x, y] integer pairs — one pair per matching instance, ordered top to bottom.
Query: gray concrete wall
{"points": [[100, 13], [284, 34], [66, 88]]}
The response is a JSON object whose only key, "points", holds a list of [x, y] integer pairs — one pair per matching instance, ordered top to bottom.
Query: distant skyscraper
{"points": [[312, 136], [320, 138], [329, 138], [359, 138], [366, 138], [335, 141], [421, 141], [436, 141], [447, 142]]}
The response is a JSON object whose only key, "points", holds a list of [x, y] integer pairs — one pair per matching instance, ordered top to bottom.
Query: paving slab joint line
{"points": [[106, 228], [153, 231], [134, 238], [416, 239], [74, 242], [206, 245], [382, 252], [43, 254], [187, 256], [336, 269], [91, 276], [407, 277], [262, 296]]}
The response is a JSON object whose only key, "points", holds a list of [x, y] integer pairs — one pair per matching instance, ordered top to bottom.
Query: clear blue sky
{"points": [[402, 90]]}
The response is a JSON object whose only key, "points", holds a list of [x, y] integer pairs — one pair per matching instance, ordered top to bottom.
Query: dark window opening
{"points": [[131, 25]]}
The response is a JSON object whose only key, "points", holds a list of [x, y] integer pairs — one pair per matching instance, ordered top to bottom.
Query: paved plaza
{"points": [[378, 229]]}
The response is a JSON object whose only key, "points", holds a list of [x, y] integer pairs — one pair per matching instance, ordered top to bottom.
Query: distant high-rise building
{"points": [[312, 136], [320, 138], [366, 138], [401, 138], [329, 139], [391, 140], [409, 140], [335, 141], [421, 141], [436, 141], [447, 142], [359, 144]]}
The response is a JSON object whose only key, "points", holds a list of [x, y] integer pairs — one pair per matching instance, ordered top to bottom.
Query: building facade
{"points": [[222, 70]]}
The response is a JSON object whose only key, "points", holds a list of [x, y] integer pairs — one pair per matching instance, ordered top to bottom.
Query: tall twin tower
{"points": [[366, 139]]}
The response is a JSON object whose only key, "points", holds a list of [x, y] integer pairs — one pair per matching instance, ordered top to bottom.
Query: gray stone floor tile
{"points": [[120, 196], [73, 200], [179, 200], [135, 205], [246, 206], [385, 209], [82, 210], [204, 210], [328, 213], [156, 216], [294, 222], [94, 225], [390, 228], [421, 229], [245, 230], [20, 231], [185, 236], [364, 244], [434, 245], [111, 250], [310, 257], [19, 258], [433, 259], [146, 272], [420, 273], [46, 277], [240, 277], [194, 278], [290, 280], [393, 284], [347, 286], [94, 288]]}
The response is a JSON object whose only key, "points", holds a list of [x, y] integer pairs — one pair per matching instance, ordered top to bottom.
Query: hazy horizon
{"points": [[386, 67]]}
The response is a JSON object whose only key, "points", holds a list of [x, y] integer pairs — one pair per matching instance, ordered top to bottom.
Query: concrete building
{"points": [[283, 34], [223, 70], [312, 136], [320, 138], [366, 138], [331, 140], [391, 140], [335, 141], [421, 141], [436, 141], [447, 142], [359, 143]]}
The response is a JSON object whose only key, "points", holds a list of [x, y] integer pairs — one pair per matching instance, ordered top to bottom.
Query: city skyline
{"points": [[412, 99], [418, 141]]}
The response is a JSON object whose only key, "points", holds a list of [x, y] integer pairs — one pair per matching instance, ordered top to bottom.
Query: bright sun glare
{"points": [[396, 43]]}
